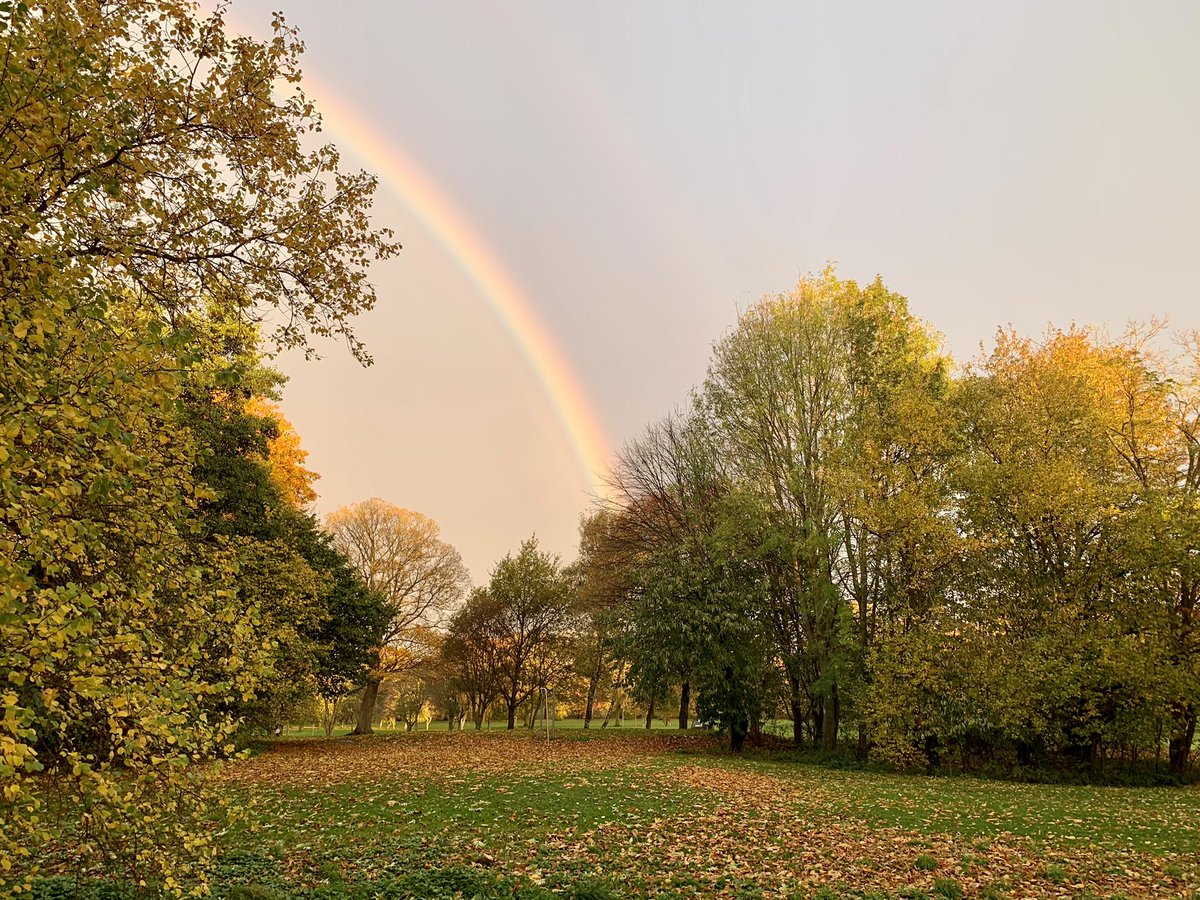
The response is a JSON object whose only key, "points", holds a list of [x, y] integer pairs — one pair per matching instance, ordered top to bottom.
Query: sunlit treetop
{"points": [[178, 162]]}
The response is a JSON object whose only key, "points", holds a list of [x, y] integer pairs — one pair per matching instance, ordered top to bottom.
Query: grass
{"points": [[635, 724], [625, 814], [1156, 820]]}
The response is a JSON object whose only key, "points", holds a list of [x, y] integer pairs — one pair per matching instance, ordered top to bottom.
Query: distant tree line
{"points": [[989, 568]]}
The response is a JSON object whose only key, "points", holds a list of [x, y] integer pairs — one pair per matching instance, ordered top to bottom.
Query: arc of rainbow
{"points": [[516, 313]]}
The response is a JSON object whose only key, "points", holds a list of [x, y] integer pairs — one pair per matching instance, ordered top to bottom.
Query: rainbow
{"points": [[405, 179]]}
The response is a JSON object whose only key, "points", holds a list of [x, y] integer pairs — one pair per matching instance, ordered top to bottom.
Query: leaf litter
{"points": [[667, 815]]}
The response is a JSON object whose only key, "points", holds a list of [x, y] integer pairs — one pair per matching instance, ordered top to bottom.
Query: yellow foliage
{"points": [[285, 456]]}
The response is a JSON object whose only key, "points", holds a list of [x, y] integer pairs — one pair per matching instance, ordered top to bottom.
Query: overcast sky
{"points": [[644, 170]]}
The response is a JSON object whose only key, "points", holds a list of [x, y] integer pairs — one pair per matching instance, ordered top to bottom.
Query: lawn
{"points": [[635, 723], [630, 813]]}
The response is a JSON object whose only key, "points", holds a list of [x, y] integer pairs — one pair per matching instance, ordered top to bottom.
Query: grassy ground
{"points": [[634, 724], [624, 814]]}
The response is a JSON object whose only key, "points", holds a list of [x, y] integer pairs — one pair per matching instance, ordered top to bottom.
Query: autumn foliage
{"points": [[162, 203]]}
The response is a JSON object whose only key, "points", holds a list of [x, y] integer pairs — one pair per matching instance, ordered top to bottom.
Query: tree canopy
{"points": [[163, 202]]}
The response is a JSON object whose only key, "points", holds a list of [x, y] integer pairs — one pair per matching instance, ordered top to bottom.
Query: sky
{"points": [[588, 193]]}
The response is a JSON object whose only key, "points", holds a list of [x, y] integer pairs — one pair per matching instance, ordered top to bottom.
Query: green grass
{"points": [[631, 725], [404, 816], [597, 816], [1154, 820]]}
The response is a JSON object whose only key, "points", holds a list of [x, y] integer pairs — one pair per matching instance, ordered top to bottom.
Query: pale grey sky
{"points": [[642, 170]]}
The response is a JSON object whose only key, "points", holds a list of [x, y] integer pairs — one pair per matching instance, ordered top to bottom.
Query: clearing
{"points": [[625, 814]]}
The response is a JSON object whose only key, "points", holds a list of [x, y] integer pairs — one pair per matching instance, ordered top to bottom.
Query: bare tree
{"points": [[400, 554]]}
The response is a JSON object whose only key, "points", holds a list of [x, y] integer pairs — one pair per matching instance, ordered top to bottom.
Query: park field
{"points": [[633, 814]]}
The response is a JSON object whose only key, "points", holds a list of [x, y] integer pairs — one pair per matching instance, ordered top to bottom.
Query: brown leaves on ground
{"points": [[316, 763], [802, 830], [786, 831]]}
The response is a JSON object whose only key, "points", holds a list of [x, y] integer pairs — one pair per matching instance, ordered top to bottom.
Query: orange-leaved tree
{"points": [[285, 457], [400, 554]]}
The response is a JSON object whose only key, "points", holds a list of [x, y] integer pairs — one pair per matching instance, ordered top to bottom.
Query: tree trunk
{"points": [[593, 683], [685, 702], [366, 709], [587, 709], [797, 712], [512, 714], [650, 715], [328, 716], [738, 727], [829, 733], [1180, 748]]}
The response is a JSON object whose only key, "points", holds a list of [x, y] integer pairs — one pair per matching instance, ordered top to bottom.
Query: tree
{"points": [[151, 172], [184, 179], [777, 392], [825, 403], [1156, 437], [285, 457], [890, 476], [399, 554], [1178, 564], [600, 586], [1056, 606], [530, 608], [106, 610], [694, 611], [322, 622], [348, 638], [472, 652]]}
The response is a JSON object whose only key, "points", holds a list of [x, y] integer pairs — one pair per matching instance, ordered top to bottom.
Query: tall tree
{"points": [[153, 165], [778, 393], [819, 398], [1157, 437], [400, 555], [1180, 572], [601, 584], [1051, 592], [531, 607], [693, 614], [472, 652]]}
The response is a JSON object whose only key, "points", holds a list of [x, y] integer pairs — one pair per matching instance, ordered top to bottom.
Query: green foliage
{"points": [[137, 199], [994, 571], [106, 610], [528, 612], [690, 612], [320, 622], [1055, 873], [948, 888], [595, 889]]}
